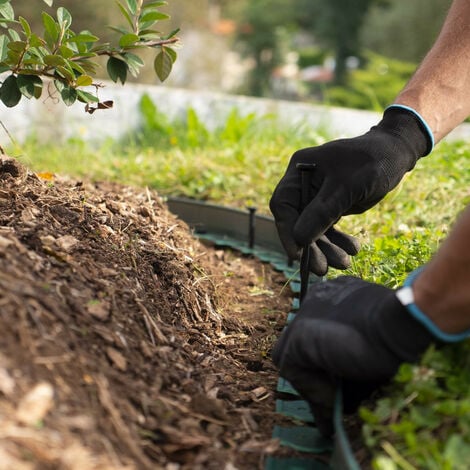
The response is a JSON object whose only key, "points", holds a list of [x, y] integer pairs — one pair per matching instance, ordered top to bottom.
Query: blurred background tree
{"points": [[261, 25], [337, 26], [403, 30], [357, 53]]}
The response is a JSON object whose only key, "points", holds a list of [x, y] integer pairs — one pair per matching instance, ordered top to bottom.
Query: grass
{"points": [[237, 163], [423, 420]]}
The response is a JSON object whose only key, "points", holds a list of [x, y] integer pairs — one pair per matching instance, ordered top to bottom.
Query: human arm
{"points": [[438, 90], [352, 175], [442, 290]]}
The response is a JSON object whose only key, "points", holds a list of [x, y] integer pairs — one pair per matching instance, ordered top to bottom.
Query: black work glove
{"points": [[350, 176], [347, 331]]}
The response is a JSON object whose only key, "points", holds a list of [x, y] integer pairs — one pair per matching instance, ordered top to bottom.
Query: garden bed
{"points": [[127, 343]]}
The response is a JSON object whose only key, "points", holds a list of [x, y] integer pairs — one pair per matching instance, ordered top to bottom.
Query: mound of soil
{"points": [[126, 343]]}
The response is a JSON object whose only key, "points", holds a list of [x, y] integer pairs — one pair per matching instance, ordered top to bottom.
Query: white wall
{"points": [[52, 120]]}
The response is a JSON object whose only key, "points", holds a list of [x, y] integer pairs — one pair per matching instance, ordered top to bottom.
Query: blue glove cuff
{"points": [[425, 125], [406, 298]]}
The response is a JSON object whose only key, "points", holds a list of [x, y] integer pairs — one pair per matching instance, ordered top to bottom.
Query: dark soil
{"points": [[125, 342]]}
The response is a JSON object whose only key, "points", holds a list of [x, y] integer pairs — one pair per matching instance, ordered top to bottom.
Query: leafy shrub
{"points": [[311, 56], [69, 59]]}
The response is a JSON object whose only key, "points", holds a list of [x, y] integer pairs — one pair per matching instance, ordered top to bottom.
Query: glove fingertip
{"points": [[347, 243], [353, 247], [318, 262]]}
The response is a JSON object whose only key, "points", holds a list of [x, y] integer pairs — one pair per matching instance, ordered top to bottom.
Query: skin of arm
{"points": [[438, 90], [442, 290]]}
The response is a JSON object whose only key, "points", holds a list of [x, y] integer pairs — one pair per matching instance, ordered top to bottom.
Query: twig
{"points": [[9, 135], [150, 321], [121, 428]]}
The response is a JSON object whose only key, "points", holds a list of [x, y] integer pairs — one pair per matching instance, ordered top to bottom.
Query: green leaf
{"points": [[48, 2], [154, 4], [132, 6], [6, 11], [125, 13], [153, 16], [64, 18], [4, 23], [26, 27], [52, 29], [118, 29], [172, 33], [149, 34], [14, 35], [83, 37], [128, 39], [36, 41], [3, 46], [17, 46], [36, 52], [66, 52], [171, 52], [13, 57], [54, 60], [33, 61], [134, 63], [163, 65], [89, 66], [77, 67], [117, 69], [66, 72], [84, 80], [30, 85], [59, 85], [10, 94], [69, 95], [86, 97]]}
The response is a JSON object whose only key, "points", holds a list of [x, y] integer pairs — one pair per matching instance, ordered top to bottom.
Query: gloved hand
{"points": [[350, 176], [333, 248], [352, 331]]}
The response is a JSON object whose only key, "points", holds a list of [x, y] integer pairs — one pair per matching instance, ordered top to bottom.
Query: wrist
{"points": [[406, 122], [435, 305]]}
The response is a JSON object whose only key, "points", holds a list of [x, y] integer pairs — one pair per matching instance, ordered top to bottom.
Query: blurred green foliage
{"points": [[261, 24], [339, 29], [403, 30], [311, 55], [372, 87]]}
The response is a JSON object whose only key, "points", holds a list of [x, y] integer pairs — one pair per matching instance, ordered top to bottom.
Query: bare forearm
{"points": [[439, 88], [442, 290]]}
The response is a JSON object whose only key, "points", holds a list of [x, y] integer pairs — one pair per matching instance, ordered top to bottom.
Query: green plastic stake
{"points": [[280, 265], [292, 274], [294, 287], [290, 317], [283, 386], [297, 409], [303, 439]]}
